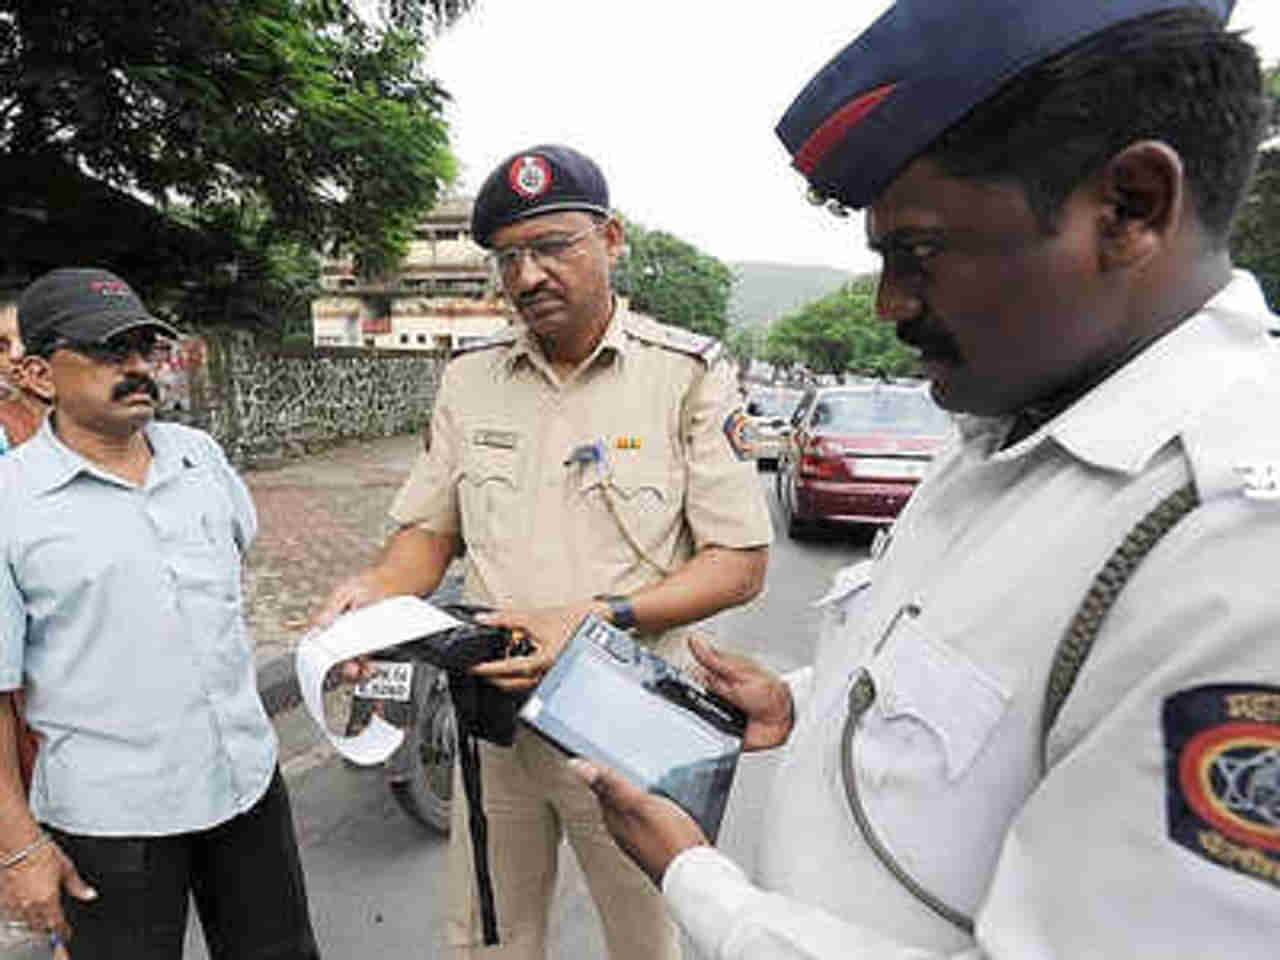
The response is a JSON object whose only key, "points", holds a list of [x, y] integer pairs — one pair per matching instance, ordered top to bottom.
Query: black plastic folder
{"points": [[612, 701]]}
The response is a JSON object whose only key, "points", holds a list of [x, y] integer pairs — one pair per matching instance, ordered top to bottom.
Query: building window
{"points": [[404, 338], [422, 338]]}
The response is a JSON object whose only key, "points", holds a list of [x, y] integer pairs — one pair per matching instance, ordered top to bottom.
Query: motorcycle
{"points": [[419, 773]]}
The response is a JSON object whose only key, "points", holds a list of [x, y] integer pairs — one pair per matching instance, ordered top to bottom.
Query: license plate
{"points": [[887, 468], [390, 680]]}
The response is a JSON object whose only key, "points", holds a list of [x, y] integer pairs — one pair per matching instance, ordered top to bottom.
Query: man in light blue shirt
{"points": [[121, 615]]}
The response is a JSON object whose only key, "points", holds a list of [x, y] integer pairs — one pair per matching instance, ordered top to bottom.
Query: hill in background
{"points": [[766, 292]]}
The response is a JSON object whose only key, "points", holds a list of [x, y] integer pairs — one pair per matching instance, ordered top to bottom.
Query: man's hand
{"points": [[351, 594], [548, 630], [758, 691], [650, 829], [31, 892]]}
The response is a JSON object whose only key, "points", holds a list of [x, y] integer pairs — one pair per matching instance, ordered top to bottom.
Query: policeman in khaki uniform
{"points": [[589, 460], [1044, 718]]}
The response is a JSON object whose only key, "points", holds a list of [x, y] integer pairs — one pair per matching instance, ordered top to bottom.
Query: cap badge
{"points": [[530, 176], [111, 288]]}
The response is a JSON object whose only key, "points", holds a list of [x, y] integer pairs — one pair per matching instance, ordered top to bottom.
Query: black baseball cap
{"points": [[919, 69], [545, 179], [83, 304]]}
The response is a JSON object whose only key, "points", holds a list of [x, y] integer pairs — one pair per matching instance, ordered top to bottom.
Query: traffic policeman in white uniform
{"points": [[1044, 720]]}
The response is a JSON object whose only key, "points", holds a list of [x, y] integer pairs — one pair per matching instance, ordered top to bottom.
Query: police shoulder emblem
{"points": [[530, 176], [737, 429], [1222, 776]]}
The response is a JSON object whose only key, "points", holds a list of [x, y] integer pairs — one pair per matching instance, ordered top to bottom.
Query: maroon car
{"points": [[856, 453]]}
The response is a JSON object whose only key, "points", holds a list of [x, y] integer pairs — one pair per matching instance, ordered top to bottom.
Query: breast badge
{"points": [[1222, 776]]}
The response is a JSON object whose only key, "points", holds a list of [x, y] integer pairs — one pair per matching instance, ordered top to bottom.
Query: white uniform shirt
{"points": [[985, 569]]}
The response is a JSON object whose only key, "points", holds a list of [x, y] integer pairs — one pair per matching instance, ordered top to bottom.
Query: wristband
{"points": [[621, 613], [16, 858]]}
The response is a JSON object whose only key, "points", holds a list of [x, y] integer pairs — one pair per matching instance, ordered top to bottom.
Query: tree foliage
{"points": [[326, 117], [1255, 240], [262, 278], [674, 282], [840, 333], [744, 345]]}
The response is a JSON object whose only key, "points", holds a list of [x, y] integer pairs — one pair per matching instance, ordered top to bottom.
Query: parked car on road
{"points": [[769, 410], [854, 454]]}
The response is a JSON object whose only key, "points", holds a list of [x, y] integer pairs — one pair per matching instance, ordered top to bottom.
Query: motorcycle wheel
{"points": [[423, 785]]}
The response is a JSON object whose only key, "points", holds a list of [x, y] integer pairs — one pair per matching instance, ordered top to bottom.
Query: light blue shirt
{"points": [[121, 613]]}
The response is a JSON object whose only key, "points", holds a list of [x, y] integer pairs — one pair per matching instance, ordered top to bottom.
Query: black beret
{"points": [[921, 68], [543, 179]]}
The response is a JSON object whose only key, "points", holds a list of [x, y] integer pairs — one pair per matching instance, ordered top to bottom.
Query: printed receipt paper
{"points": [[375, 627]]}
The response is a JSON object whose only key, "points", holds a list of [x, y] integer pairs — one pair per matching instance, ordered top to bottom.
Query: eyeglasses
{"points": [[544, 251], [116, 351]]}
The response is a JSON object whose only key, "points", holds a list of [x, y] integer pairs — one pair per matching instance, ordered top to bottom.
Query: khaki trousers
{"points": [[532, 798]]}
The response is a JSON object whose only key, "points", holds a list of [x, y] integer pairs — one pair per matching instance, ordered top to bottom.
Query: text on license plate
{"points": [[390, 681]]}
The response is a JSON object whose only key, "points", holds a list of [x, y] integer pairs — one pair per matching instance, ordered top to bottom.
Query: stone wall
{"points": [[267, 404]]}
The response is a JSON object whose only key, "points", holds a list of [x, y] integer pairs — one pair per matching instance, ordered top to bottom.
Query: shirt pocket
{"points": [[488, 497], [633, 501], [201, 545], [925, 682]]}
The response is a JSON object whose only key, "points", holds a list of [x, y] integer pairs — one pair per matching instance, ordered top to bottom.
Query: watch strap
{"points": [[621, 613]]}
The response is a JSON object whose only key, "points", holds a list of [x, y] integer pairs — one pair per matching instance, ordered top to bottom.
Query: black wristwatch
{"points": [[621, 613]]}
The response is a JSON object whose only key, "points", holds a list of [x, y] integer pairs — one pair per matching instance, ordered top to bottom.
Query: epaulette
{"points": [[503, 338], [707, 349], [1233, 448]]}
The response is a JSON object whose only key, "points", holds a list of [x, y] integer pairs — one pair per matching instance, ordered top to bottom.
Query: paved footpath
{"points": [[320, 519]]}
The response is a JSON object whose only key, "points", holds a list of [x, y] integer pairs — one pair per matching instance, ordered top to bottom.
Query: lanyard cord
{"points": [[1069, 659]]}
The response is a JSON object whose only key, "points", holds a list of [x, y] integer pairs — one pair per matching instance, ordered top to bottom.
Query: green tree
{"points": [[1271, 88], [325, 116], [1255, 239], [262, 279], [674, 282], [840, 333], [744, 345]]}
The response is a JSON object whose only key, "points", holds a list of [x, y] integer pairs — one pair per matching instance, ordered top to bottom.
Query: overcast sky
{"points": [[676, 100]]}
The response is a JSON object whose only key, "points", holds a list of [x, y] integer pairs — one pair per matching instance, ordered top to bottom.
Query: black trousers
{"points": [[244, 876]]}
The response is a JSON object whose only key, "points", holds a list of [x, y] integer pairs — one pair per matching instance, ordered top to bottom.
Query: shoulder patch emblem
{"points": [[737, 430], [1222, 776]]}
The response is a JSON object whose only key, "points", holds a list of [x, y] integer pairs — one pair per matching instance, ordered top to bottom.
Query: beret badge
{"points": [[530, 176]]}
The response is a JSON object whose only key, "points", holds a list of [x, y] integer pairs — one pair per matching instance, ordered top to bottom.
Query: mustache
{"points": [[529, 297], [929, 337], [134, 382]]}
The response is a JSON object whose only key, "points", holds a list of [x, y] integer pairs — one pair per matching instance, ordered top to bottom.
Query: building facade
{"points": [[442, 297]]}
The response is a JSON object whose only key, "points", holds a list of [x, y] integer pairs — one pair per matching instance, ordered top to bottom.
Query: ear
{"points": [[1143, 190], [615, 239], [36, 374]]}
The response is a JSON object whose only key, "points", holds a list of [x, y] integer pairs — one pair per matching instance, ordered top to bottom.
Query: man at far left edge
{"points": [[121, 616]]}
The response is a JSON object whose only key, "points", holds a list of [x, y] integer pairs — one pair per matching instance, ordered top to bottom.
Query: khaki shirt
{"points": [[541, 531]]}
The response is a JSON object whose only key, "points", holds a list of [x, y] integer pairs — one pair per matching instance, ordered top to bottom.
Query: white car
{"points": [[769, 410]]}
